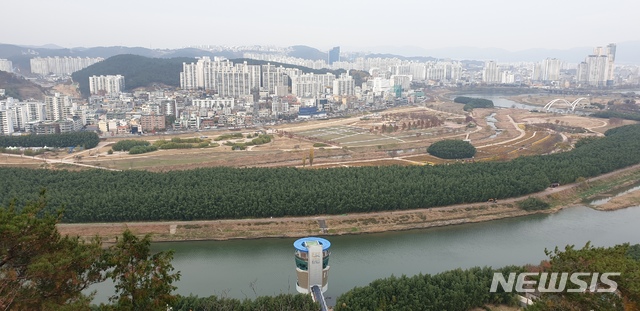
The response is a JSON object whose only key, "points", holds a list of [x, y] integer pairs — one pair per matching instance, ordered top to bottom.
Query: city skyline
{"points": [[352, 26]]}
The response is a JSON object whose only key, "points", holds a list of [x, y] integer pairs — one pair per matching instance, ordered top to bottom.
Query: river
{"points": [[501, 101], [246, 268]]}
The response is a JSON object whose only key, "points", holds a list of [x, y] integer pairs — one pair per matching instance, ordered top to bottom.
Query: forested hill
{"points": [[277, 64], [138, 71], [216, 193]]}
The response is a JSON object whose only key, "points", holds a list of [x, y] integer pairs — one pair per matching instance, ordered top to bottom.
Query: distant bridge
{"points": [[573, 104]]}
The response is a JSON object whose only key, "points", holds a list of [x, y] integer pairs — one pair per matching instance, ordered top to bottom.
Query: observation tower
{"points": [[312, 265]]}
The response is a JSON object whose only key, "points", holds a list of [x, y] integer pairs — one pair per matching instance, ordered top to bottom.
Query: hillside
{"points": [[307, 52], [21, 55], [302, 68], [138, 71], [20, 88]]}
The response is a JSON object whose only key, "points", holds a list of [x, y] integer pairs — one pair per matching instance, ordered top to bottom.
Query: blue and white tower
{"points": [[312, 264]]}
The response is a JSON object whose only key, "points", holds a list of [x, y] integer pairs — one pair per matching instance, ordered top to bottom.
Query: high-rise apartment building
{"points": [[333, 55], [6, 65], [61, 65], [597, 69], [547, 70], [491, 73], [221, 76], [273, 77], [110, 84], [311, 85], [344, 85], [58, 107], [6, 122]]}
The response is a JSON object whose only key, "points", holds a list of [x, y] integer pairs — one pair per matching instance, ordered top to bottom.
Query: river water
{"points": [[501, 101], [246, 268], [250, 268]]}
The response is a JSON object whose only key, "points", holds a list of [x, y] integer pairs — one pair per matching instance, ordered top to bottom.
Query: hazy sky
{"points": [[509, 24]]}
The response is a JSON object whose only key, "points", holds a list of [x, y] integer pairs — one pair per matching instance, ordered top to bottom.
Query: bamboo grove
{"points": [[218, 193]]}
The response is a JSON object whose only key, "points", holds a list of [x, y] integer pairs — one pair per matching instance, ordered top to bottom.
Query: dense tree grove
{"points": [[137, 71], [470, 102], [617, 114], [63, 140], [586, 140], [184, 143], [127, 144], [142, 149], [452, 149], [222, 192], [591, 259], [468, 289], [451, 290], [282, 302]]}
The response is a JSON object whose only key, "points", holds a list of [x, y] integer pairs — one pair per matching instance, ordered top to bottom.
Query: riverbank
{"points": [[560, 197]]}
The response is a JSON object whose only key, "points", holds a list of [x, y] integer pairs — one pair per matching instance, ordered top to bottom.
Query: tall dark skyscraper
{"points": [[334, 55]]}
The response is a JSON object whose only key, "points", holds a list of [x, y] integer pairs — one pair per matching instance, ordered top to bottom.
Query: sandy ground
{"points": [[621, 201]]}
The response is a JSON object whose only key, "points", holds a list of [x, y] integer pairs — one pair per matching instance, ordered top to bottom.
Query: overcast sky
{"points": [[509, 24]]}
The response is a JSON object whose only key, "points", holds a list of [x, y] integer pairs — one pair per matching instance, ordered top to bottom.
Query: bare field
{"points": [[356, 141]]}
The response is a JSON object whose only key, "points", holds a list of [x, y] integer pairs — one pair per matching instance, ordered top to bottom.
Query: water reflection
{"points": [[229, 268]]}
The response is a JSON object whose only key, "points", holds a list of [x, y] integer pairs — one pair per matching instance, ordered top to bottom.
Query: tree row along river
{"points": [[223, 193]]}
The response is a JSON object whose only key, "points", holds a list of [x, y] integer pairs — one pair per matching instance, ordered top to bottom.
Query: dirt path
{"points": [[515, 125]]}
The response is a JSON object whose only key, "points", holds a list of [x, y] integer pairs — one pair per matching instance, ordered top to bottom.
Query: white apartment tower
{"points": [[6, 65], [61, 65], [597, 69], [548, 70], [491, 74], [221, 76], [273, 77], [110, 84], [311, 85], [344, 86], [58, 107], [6, 122]]}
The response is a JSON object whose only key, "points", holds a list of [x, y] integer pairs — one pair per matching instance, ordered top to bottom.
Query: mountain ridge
{"points": [[627, 53]]}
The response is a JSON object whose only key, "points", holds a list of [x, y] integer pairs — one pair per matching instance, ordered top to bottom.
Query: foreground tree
{"points": [[618, 258], [39, 269], [143, 280]]}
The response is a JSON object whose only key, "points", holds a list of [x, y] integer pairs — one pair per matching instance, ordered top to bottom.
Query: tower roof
{"points": [[301, 244]]}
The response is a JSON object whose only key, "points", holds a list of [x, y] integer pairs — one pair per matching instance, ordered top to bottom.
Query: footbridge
{"points": [[573, 104], [318, 296]]}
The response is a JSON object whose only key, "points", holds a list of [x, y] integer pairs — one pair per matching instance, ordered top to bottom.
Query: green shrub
{"points": [[127, 144], [142, 149], [452, 149], [533, 204]]}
